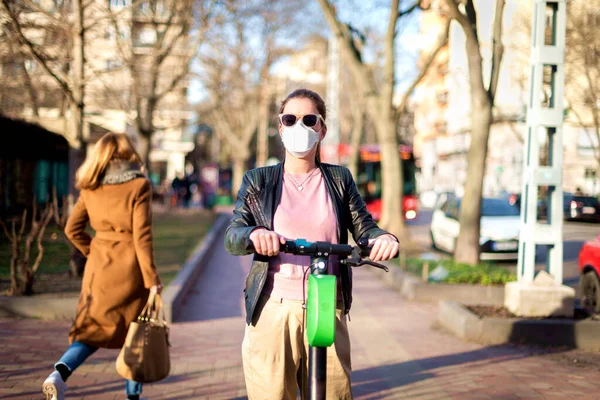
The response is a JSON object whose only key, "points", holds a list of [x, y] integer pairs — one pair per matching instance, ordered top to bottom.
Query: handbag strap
{"points": [[153, 310], [159, 310], [146, 313]]}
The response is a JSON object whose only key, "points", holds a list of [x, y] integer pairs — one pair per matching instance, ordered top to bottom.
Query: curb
{"points": [[412, 288], [174, 295], [43, 306], [63, 307], [455, 317]]}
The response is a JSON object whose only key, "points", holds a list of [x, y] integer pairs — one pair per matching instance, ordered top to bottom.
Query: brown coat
{"points": [[120, 262]]}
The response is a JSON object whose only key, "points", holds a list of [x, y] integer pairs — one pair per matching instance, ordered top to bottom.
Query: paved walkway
{"points": [[397, 352]]}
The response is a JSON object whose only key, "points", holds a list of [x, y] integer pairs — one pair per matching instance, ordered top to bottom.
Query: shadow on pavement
{"points": [[377, 379], [97, 388], [206, 391]]}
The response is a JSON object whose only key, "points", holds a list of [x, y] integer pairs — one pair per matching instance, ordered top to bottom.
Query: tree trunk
{"points": [[78, 69], [31, 91], [263, 131], [355, 139], [144, 148], [78, 152], [239, 169], [392, 218], [467, 244], [14, 282], [26, 285]]}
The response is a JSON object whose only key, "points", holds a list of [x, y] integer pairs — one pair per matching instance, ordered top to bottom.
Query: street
{"points": [[574, 235]]}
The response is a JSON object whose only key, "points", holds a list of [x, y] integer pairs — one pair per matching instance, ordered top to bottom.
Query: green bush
{"points": [[482, 274]]}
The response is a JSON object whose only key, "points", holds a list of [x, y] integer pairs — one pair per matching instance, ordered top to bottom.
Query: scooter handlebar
{"points": [[302, 247], [355, 254]]}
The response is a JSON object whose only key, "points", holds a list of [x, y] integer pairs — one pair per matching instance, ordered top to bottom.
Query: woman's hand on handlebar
{"points": [[266, 242], [385, 247]]}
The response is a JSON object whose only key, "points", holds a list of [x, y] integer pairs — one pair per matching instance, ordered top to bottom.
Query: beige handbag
{"points": [[145, 355]]}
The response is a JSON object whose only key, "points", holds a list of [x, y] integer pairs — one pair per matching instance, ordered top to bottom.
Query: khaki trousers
{"points": [[275, 353]]}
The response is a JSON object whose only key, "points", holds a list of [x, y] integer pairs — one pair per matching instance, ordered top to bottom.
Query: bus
{"points": [[369, 180]]}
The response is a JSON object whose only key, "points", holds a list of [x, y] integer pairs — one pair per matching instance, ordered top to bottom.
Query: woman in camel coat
{"points": [[120, 272]]}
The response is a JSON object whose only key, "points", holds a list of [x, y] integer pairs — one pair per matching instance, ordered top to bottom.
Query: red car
{"points": [[589, 270]]}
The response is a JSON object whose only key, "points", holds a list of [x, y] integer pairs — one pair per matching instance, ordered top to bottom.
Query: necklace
{"points": [[300, 186]]}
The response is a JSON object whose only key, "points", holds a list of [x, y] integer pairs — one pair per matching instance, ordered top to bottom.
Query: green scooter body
{"points": [[320, 310]]}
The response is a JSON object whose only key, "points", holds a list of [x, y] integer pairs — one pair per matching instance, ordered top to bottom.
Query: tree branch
{"points": [[412, 8], [456, 14], [342, 33], [498, 50], [38, 56], [589, 135], [233, 140], [24, 222], [44, 223], [8, 235]]}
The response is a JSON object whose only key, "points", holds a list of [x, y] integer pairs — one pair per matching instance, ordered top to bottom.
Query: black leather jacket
{"points": [[257, 200]]}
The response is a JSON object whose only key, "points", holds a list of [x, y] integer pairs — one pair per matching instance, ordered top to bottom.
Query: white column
{"points": [[544, 127]]}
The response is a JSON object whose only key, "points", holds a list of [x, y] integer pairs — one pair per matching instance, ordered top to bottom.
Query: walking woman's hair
{"points": [[317, 101], [110, 147]]}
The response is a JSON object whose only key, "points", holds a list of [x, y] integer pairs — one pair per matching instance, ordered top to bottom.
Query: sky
{"points": [[367, 16]]}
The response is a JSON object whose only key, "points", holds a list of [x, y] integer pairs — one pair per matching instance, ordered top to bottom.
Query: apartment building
{"points": [[120, 39], [443, 109]]}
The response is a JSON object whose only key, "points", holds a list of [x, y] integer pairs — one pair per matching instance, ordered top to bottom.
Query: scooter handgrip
{"points": [[341, 249]]}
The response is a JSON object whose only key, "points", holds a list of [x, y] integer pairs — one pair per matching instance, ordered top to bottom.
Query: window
{"points": [[117, 4], [61, 5], [109, 34], [146, 37], [113, 64], [30, 65], [587, 141], [590, 173]]}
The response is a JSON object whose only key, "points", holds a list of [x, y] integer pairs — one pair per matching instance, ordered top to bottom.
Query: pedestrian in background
{"points": [[181, 188], [299, 198], [115, 199]]}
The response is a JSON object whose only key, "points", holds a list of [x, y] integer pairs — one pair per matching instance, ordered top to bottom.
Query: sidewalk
{"points": [[395, 352]]}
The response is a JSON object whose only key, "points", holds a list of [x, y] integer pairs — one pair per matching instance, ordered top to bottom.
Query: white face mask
{"points": [[299, 139]]}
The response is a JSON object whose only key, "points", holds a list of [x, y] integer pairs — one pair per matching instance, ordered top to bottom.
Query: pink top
{"points": [[307, 214]]}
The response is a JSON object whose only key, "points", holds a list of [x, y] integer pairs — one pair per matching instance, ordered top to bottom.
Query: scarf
{"points": [[120, 171]]}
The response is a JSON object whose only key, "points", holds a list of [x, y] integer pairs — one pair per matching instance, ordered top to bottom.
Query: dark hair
{"points": [[317, 101]]}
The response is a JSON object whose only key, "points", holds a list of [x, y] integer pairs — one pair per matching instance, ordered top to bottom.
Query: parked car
{"points": [[442, 197], [575, 208], [499, 232], [589, 270]]}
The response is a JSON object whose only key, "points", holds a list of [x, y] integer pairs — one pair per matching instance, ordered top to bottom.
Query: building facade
{"points": [[119, 40], [443, 109]]}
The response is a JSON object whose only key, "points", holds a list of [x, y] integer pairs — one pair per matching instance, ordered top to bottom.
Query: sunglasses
{"points": [[308, 120]]}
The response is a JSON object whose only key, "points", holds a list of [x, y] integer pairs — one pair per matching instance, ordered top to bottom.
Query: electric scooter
{"points": [[321, 301]]}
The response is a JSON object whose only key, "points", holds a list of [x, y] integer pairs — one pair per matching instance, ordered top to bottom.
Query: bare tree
{"points": [[70, 19], [163, 38], [582, 69], [237, 71], [17, 88], [235, 94], [378, 96], [482, 102], [22, 237]]}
